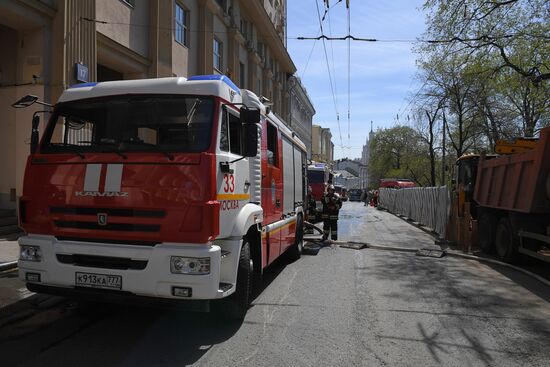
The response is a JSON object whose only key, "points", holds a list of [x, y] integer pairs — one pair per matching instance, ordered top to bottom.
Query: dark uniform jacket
{"points": [[331, 205]]}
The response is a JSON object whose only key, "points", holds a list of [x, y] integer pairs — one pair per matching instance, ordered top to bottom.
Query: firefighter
{"points": [[331, 207]]}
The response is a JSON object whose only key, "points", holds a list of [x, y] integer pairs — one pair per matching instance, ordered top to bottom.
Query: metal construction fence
{"points": [[429, 206]]}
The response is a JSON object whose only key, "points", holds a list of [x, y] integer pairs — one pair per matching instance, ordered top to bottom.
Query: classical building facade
{"points": [[49, 45], [301, 111], [322, 148], [365, 157], [349, 172]]}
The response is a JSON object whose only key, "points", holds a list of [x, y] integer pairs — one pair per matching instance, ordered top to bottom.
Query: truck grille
{"points": [[116, 212], [85, 223], [127, 227], [104, 262]]}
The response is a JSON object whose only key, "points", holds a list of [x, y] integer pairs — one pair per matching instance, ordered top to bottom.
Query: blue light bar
{"points": [[221, 78], [83, 85]]}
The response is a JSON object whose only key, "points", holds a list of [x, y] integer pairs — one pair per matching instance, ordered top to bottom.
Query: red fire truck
{"points": [[318, 175], [397, 183], [166, 188]]}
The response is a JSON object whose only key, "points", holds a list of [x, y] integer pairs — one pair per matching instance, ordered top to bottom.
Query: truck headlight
{"points": [[30, 253], [190, 265]]}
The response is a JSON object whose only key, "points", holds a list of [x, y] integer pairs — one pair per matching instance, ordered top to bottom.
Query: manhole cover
{"points": [[355, 246]]}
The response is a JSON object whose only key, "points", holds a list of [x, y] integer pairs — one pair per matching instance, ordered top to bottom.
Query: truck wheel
{"points": [[486, 232], [506, 242], [295, 251], [235, 306]]}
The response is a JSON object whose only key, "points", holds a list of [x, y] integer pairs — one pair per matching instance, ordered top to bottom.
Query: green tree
{"points": [[501, 28], [398, 153]]}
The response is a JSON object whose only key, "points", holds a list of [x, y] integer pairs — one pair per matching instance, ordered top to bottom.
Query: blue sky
{"points": [[382, 73]]}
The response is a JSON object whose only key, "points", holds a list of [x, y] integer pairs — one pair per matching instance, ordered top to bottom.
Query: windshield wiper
{"points": [[191, 115], [102, 144], [154, 146], [73, 148]]}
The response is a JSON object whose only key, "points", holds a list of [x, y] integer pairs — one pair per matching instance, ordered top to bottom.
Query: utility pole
{"points": [[443, 154]]}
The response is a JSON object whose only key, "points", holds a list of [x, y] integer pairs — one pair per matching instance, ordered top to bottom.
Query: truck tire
{"points": [[486, 232], [506, 242], [295, 251], [236, 305]]}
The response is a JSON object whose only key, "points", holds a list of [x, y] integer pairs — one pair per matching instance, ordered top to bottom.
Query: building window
{"points": [[182, 26], [218, 54]]}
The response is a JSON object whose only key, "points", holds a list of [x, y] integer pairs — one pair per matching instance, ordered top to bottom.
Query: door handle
{"points": [[277, 203]]}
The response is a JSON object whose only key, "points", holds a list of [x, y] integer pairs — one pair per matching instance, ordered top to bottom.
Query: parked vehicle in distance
{"points": [[396, 183], [355, 194]]}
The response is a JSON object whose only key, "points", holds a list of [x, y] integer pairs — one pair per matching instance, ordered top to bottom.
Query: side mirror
{"points": [[26, 101], [249, 116], [34, 133], [250, 135]]}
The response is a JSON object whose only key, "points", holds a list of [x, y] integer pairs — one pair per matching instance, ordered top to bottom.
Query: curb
{"points": [[452, 253], [496, 262], [8, 265]]}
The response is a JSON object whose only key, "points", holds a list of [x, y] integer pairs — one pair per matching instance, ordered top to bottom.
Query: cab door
{"points": [[232, 181]]}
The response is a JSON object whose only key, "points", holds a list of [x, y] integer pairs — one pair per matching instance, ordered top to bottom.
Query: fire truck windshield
{"points": [[131, 123], [316, 176]]}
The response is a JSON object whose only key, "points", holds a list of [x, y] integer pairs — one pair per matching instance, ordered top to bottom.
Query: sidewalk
{"points": [[9, 249]]}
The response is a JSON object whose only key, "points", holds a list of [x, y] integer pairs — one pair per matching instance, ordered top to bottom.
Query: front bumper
{"points": [[155, 280]]}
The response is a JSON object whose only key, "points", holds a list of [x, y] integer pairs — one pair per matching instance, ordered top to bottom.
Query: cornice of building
{"points": [[40, 7], [264, 24], [110, 44], [301, 92]]}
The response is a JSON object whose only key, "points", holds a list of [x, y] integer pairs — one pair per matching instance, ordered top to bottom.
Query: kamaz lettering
{"points": [[101, 194]]}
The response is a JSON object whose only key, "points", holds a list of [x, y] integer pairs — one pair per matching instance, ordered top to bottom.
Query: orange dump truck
{"points": [[509, 196]]}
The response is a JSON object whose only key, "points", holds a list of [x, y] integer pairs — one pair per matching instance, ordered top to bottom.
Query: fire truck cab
{"points": [[318, 175], [168, 188]]}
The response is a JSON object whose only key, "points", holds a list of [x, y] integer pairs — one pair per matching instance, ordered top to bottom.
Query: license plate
{"points": [[98, 280]]}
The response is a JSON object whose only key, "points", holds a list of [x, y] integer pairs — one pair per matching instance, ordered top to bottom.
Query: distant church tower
{"points": [[365, 157]]}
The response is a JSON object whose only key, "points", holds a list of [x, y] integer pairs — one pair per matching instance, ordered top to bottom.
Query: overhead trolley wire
{"points": [[328, 8], [332, 56], [308, 59], [349, 69], [330, 77]]}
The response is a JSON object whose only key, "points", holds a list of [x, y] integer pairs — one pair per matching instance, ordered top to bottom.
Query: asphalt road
{"points": [[341, 307]]}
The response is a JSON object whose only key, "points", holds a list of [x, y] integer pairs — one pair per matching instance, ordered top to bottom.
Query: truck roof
{"points": [[206, 85], [317, 166]]}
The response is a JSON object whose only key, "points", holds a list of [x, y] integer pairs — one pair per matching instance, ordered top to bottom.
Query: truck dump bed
{"points": [[516, 182]]}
